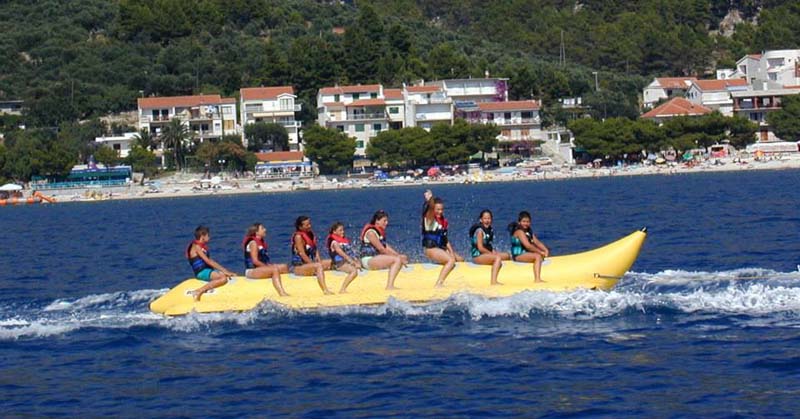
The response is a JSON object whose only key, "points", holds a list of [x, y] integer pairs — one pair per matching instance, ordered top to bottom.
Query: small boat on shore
{"points": [[599, 269]]}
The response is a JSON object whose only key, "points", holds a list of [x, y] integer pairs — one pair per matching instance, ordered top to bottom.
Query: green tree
{"points": [[786, 121], [263, 135], [175, 137], [145, 139], [329, 148], [387, 149], [107, 156], [142, 160]]}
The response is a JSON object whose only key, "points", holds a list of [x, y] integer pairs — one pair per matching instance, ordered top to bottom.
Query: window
{"points": [[373, 95], [356, 96], [336, 98], [286, 104], [394, 110], [507, 115], [527, 115], [359, 127], [377, 127], [340, 128], [360, 144], [116, 147]]}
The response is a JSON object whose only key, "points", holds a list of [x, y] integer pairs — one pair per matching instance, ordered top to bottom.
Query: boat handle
{"points": [[597, 275]]}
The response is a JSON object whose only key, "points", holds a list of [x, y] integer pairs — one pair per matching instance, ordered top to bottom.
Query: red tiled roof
{"points": [[755, 56], [675, 82], [716, 85], [791, 87], [365, 88], [423, 89], [261, 93], [393, 94], [228, 100], [180, 101], [367, 102], [333, 104], [514, 105], [677, 106], [275, 156]]}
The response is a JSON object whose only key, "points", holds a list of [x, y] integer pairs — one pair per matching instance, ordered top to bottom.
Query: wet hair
{"points": [[486, 211], [379, 214], [299, 221], [515, 225], [334, 226], [253, 229], [200, 231]]}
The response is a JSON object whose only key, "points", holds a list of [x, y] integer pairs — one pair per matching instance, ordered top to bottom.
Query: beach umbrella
{"points": [[598, 160], [433, 171], [10, 187]]}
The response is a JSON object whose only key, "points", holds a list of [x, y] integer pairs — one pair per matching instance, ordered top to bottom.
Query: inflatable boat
{"points": [[598, 269]]}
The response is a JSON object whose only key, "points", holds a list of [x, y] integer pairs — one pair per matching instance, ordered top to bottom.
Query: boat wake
{"points": [[761, 296]]}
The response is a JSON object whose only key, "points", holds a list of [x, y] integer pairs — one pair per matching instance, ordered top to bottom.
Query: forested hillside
{"points": [[81, 58]]}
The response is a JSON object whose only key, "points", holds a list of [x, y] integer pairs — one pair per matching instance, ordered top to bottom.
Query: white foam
{"points": [[767, 297]]}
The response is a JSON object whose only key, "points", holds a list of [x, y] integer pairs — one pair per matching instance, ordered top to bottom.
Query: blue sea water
{"points": [[706, 324]]}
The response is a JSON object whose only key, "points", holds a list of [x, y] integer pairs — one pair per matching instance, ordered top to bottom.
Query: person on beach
{"points": [[434, 237], [525, 247], [482, 250], [376, 253], [305, 254], [342, 255], [257, 263], [205, 268]]}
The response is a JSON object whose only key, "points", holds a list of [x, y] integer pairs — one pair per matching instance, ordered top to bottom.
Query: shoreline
{"points": [[186, 185]]}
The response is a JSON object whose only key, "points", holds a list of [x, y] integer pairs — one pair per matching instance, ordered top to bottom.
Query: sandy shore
{"points": [[185, 185]]}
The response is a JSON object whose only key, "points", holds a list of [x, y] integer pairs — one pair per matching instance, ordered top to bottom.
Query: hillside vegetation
{"points": [[83, 58]]}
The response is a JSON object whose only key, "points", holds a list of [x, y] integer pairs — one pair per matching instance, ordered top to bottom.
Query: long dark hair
{"points": [[379, 214], [299, 221], [515, 225]]}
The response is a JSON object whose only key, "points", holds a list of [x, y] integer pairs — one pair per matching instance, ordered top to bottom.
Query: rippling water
{"points": [[706, 324]]}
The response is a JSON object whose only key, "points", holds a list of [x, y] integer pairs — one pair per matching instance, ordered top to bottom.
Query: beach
{"points": [[192, 184]]}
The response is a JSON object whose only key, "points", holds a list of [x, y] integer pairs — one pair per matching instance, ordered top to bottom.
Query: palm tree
{"points": [[175, 135], [145, 139]]}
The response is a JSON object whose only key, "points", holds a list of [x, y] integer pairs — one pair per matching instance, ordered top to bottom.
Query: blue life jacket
{"points": [[436, 237], [488, 238], [344, 243], [516, 245], [311, 248], [367, 249], [263, 252], [197, 263]]}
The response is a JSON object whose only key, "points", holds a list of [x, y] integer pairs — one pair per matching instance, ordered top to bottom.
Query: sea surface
{"points": [[706, 324]]}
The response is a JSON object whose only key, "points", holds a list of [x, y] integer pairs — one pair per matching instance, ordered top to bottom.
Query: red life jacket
{"points": [[368, 226]]}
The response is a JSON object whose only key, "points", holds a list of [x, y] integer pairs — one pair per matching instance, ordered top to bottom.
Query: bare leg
{"points": [[443, 258], [494, 259], [536, 259], [393, 263], [316, 269], [352, 273], [217, 279], [276, 282]]}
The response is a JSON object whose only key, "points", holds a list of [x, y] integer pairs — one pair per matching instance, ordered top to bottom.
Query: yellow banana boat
{"points": [[600, 268]]}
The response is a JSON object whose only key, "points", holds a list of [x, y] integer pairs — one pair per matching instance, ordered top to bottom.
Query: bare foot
{"points": [[538, 280], [496, 283], [438, 285], [392, 287], [342, 291], [328, 292], [283, 294], [196, 295]]}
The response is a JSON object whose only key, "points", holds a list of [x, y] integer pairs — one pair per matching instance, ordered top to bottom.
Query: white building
{"points": [[774, 69], [665, 87], [466, 93], [716, 94], [756, 104], [271, 105], [426, 106], [359, 111], [206, 116], [518, 120], [122, 144]]}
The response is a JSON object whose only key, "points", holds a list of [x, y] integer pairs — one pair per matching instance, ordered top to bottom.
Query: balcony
{"points": [[366, 116], [515, 121]]}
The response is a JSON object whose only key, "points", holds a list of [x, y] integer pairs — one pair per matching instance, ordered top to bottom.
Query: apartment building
{"points": [[665, 87], [271, 105], [206, 116]]}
